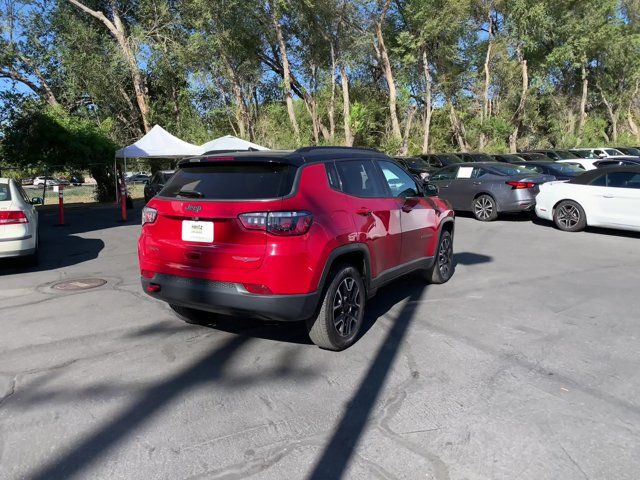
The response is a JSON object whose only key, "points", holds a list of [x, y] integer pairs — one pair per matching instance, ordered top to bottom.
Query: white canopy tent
{"points": [[229, 142], [158, 143]]}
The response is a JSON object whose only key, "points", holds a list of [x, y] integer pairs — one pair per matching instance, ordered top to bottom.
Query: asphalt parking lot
{"points": [[524, 365]]}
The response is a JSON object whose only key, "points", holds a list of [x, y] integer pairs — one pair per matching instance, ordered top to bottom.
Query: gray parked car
{"points": [[489, 188]]}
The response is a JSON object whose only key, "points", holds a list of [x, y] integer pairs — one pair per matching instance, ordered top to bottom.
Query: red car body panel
{"points": [[394, 231]]}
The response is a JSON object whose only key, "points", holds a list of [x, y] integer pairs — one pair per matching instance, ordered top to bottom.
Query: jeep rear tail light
{"points": [[520, 185], [149, 215], [13, 217], [278, 223]]}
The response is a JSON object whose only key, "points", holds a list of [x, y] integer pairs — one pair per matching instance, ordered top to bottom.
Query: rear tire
{"points": [[484, 208], [569, 216], [442, 269], [341, 313], [191, 315]]}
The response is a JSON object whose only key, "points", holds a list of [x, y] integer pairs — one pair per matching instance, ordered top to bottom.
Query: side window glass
{"points": [[478, 172], [446, 174], [332, 175], [359, 178], [623, 180], [600, 181], [400, 182]]}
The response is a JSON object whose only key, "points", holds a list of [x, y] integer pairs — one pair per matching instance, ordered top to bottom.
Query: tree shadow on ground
{"points": [[209, 369], [337, 454]]}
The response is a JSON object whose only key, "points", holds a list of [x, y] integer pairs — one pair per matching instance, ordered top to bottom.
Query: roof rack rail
{"points": [[333, 147]]}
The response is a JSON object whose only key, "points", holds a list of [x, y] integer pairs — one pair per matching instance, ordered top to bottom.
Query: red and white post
{"points": [[123, 198], [60, 204]]}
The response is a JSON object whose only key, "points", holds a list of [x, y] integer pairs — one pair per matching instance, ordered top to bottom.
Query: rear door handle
{"points": [[477, 183], [364, 211]]}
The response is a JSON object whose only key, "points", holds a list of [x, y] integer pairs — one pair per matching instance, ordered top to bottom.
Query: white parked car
{"points": [[602, 152], [50, 181], [608, 197], [18, 221]]}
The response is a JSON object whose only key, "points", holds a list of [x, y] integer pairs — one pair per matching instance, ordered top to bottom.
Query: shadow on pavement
{"points": [[61, 246], [210, 369], [335, 458]]}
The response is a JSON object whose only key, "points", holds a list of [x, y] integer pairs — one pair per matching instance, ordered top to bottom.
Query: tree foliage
{"points": [[404, 75]]}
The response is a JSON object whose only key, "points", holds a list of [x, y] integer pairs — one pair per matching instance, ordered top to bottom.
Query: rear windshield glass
{"points": [[566, 154], [448, 158], [565, 168], [505, 169], [231, 181], [5, 194]]}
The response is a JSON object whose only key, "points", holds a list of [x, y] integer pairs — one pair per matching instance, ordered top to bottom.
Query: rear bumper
{"points": [[519, 201], [17, 247], [230, 298]]}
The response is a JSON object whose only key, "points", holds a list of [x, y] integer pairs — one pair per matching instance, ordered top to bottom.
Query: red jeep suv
{"points": [[304, 235]]}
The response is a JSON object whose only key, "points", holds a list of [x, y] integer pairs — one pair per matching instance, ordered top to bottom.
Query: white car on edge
{"points": [[608, 197], [18, 221]]}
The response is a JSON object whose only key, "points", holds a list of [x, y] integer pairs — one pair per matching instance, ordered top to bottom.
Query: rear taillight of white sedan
{"points": [[13, 217], [278, 223]]}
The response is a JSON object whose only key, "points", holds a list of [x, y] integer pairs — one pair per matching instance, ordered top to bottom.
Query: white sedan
{"points": [[608, 197], [18, 221]]}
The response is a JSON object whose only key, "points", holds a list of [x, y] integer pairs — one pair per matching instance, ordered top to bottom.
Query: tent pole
{"points": [[115, 173]]}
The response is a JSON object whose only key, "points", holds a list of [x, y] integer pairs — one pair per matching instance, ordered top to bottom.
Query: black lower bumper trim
{"points": [[228, 298]]}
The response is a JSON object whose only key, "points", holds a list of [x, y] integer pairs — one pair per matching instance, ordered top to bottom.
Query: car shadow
{"points": [[596, 230], [64, 246]]}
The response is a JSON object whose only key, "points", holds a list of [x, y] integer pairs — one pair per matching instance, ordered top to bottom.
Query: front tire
{"points": [[485, 208], [569, 216], [341, 314]]}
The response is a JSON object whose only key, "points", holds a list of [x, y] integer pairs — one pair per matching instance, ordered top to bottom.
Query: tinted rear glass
{"points": [[231, 181]]}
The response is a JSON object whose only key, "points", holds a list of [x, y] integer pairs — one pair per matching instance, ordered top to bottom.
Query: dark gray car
{"points": [[489, 188]]}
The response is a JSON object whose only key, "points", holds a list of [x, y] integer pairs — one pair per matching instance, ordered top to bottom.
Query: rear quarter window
{"points": [[232, 181], [5, 193]]}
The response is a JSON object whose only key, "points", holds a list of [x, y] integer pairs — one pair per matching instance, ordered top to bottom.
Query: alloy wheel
{"points": [[483, 208], [568, 216], [445, 257], [346, 307]]}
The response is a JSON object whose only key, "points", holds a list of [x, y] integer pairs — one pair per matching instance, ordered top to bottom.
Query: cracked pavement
{"points": [[524, 365]]}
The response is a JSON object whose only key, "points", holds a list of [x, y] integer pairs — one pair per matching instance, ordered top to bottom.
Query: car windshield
{"points": [[611, 151], [582, 153], [566, 154], [481, 157], [448, 159], [417, 163], [565, 168], [506, 169], [231, 181]]}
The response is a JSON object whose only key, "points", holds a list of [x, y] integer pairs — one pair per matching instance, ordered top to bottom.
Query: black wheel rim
{"points": [[483, 208], [568, 216], [445, 257], [346, 307]]}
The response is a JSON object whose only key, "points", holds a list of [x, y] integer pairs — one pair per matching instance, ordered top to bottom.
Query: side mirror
{"points": [[602, 155], [430, 190], [36, 201]]}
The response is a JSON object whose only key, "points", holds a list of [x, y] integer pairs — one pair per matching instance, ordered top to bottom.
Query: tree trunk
{"points": [[116, 28], [383, 55], [286, 77], [487, 82], [43, 90], [332, 102], [583, 104], [346, 106], [428, 108], [241, 112], [614, 114], [518, 117], [458, 129], [404, 149]]}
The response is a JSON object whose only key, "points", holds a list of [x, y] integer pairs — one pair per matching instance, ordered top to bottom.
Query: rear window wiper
{"points": [[190, 194]]}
